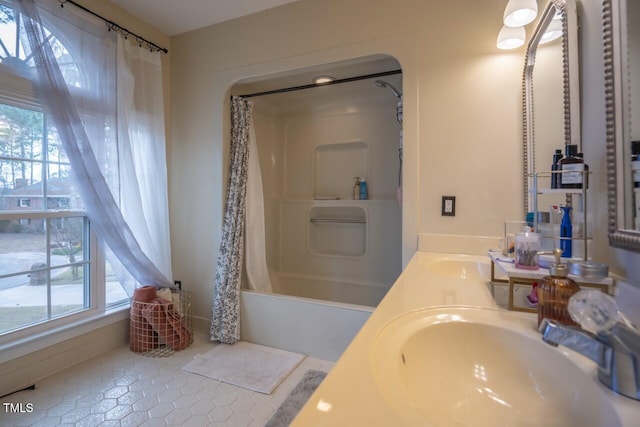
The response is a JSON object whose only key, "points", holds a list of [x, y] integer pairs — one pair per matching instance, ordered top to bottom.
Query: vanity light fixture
{"points": [[520, 12], [554, 31], [510, 37], [322, 79]]}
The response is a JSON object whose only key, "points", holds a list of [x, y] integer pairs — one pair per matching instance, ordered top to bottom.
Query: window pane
{"points": [[21, 133], [55, 151], [21, 154], [18, 191], [62, 194], [66, 240], [22, 247], [36, 285], [68, 290], [115, 292], [22, 303]]}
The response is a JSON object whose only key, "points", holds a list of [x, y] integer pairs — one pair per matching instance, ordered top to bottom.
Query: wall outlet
{"points": [[448, 206]]}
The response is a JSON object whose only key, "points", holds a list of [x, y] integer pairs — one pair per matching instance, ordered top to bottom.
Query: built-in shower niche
{"points": [[335, 167], [338, 231]]}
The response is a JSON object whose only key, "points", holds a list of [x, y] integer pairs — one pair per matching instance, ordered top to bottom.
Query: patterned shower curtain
{"points": [[225, 319]]}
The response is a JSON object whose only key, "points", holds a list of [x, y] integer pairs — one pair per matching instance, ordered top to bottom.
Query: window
{"points": [[51, 269]]}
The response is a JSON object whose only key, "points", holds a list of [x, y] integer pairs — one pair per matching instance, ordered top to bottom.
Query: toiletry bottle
{"points": [[635, 163], [555, 165], [571, 167], [585, 176], [356, 189], [364, 191], [566, 232], [554, 292]]}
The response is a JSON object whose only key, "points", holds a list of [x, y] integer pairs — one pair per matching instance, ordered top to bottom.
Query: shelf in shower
{"points": [[339, 220], [337, 231]]}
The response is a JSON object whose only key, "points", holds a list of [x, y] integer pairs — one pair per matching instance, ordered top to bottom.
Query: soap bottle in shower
{"points": [[356, 189], [364, 191], [554, 292]]}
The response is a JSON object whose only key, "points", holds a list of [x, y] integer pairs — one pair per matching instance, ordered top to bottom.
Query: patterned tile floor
{"points": [[121, 388]]}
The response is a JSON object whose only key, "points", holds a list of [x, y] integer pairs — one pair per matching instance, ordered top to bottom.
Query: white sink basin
{"points": [[477, 367]]}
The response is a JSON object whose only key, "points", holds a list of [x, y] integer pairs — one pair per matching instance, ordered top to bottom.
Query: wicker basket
{"points": [[160, 326]]}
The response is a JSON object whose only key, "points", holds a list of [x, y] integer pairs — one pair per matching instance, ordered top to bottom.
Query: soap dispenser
{"points": [[554, 292]]}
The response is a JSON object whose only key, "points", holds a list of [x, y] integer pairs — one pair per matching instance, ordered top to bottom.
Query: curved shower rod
{"points": [[312, 85]]}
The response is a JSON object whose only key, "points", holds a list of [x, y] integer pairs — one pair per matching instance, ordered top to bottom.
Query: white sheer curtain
{"points": [[81, 104], [142, 151]]}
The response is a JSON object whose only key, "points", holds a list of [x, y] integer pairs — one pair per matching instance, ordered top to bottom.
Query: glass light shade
{"points": [[520, 12], [554, 31], [511, 37]]}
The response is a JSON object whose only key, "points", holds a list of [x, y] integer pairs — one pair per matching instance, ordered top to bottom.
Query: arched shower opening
{"points": [[322, 247]]}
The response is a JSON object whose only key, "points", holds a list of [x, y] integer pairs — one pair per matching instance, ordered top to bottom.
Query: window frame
{"points": [[18, 92]]}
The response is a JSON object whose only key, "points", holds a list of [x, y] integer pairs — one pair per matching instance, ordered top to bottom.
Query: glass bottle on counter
{"points": [[554, 292]]}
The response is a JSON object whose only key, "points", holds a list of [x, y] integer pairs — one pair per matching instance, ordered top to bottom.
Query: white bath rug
{"points": [[251, 366]]}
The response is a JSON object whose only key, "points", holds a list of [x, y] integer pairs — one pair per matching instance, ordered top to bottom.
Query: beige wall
{"points": [[462, 104], [462, 114]]}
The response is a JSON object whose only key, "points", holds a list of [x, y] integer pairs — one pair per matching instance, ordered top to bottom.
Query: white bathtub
{"points": [[341, 291], [320, 318], [321, 329]]}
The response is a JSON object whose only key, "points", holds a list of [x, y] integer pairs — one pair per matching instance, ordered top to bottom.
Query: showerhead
{"points": [[382, 83], [396, 92]]}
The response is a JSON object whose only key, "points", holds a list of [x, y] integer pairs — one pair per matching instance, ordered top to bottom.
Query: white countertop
{"points": [[349, 395]]}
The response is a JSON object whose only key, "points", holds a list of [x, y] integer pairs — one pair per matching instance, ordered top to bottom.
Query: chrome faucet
{"points": [[616, 351]]}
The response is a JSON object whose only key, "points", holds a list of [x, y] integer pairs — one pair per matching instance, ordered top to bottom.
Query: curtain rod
{"points": [[117, 28], [312, 85]]}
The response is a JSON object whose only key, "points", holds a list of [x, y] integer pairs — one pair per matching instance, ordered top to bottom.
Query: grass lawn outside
{"points": [[18, 317]]}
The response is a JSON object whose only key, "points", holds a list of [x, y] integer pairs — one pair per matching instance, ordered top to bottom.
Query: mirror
{"points": [[551, 68], [622, 83]]}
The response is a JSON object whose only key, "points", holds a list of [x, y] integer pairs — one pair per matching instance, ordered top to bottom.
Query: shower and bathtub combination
{"points": [[331, 259]]}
